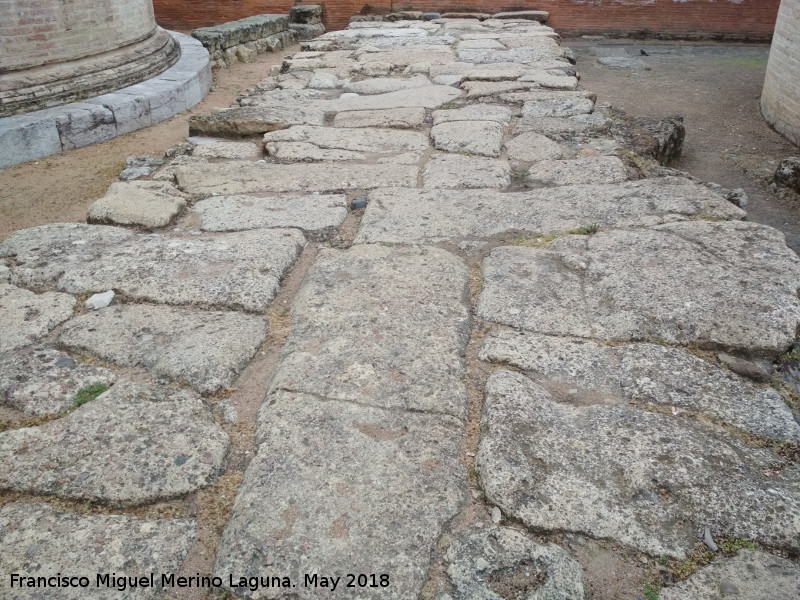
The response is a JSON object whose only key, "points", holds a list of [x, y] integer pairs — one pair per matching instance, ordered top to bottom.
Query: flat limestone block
{"points": [[529, 15], [530, 55], [384, 85], [432, 96], [557, 107], [474, 112], [399, 118], [250, 120], [484, 138], [365, 140], [533, 147], [230, 150], [308, 152], [583, 170], [454, 171], [244, 178], [150, 204], [318, 212], [428, 216], [232, 270], [622, 285], [25, 316], [380, 326], [206, 349], [646, 373], [40, 380], [133, 444], [648, 480], [334, 484], [39, 541], [479, 554], [750, 574]]}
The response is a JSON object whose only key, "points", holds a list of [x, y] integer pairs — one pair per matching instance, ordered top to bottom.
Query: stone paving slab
{"points": [[384, 85], [432, 96], [557, 107], [474, 112], [402, 118], [250, 120], [484, 138], [357, 139], [533, 147], [229, 150], [583, 170], [454, 171], [248, 178], [150, 204], [314, 213], [414, 216], [233, 270], [620, 285], [25, 317], [381, 326], [206, 349], [648, 373], [40, 380], [131, 445], [619, 473], [338, 486], [39, 541], [482, 559], [750, 574]]}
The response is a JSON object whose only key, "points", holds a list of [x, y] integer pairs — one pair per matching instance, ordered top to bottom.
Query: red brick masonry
{"points": [[730, 19]]}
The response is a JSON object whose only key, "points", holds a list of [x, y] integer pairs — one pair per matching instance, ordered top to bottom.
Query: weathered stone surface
{"points": [[530, 15], [489, 43], [523, 55], [551, 81], [384, 85], [479, 89], [432, 96], [557, 107], [474, 112], [400, 118], [250, 120], [554, 127], [484, 138], [355, 139], [533, 147], [231, 150], [308, 152], [582, 170], [453, 171], [167, 172], [244, 178], [147, 203], [317, 212], [406, 216], [234, 270], [622, 285], [26, 317], [403, 346], [206, 349], [647, 373], [40, 380], [131, 445], [633, 476], [334, 484], [39, 541], [482, 559], [749, 574]]}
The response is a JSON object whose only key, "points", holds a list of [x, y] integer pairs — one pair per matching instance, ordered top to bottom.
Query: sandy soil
{"points": [[716, 88], [61, 187]]}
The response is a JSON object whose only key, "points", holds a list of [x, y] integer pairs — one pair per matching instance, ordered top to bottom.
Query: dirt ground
{"points": [[716, 88], [60, 188]]}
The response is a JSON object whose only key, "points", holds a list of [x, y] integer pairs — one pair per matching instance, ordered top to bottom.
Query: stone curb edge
{"points": [[44, 132]]}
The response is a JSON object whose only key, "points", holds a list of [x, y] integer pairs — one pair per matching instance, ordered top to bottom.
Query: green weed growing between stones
{"points": [[589, 229], [88, 393], [651, 591]]}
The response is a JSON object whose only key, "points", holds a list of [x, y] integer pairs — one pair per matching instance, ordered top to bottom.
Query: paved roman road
{"points": [[492, 332]]}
